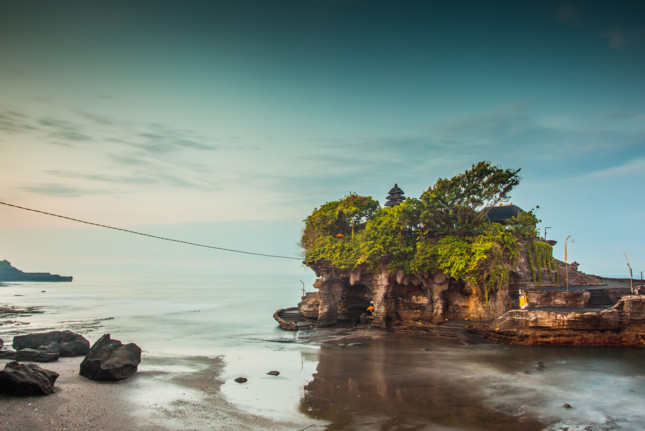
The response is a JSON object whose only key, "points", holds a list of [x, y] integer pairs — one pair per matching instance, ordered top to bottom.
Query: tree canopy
{"points": [[445, 230]]}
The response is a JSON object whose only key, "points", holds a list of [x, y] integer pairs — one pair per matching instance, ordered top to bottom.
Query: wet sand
{"points": [[363, 380], [167, 394]]}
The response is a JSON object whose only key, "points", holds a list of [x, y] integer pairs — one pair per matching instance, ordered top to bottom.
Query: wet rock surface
{"points": [[309, 305], [10, 311], [620, 325], [66, 343], [8, 354], [36, 355], [111, 360], [26, 379]]}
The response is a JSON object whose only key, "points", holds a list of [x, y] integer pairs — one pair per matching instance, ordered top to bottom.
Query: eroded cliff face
{"points": [[399, 300], [402, 300]]}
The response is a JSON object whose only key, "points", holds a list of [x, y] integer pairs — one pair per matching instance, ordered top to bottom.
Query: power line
{"points": [[163, 238]]}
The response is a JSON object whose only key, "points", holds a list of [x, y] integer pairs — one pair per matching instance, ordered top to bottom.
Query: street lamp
{"points": [[566, 264], [631, 284]]}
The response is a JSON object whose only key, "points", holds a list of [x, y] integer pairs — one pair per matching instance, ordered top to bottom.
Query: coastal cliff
{"points": [[455, 253], [10, 273], [407, 301]]}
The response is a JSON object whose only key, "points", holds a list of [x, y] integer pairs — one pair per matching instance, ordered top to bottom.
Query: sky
{"points": [[228, 122]]}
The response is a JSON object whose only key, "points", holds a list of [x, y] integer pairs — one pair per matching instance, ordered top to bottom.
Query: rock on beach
{"points": [[66, 343], [111, 360], [26, 379]]}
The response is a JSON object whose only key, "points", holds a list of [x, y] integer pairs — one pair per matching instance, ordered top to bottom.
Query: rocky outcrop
{"points": [[398, 299], [403, 300], [309, 305], [620, 325], [66, 343], [111, 360], [26, 379]]}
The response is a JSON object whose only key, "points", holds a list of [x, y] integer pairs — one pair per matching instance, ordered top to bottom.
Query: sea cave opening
{"points": [[354, 302]]}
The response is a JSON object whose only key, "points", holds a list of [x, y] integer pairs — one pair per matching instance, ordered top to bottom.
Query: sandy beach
{"points": [[184, 397]]}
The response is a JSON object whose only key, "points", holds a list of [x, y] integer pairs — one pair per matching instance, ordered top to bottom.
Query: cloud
{"points": [[616, 38], [97, 119], [15, 122], [64, 130], [505, 137], [154, 139], [164, 140], [129, 159], [629, 168], [156, 176], [114, 179], [60, 190]]}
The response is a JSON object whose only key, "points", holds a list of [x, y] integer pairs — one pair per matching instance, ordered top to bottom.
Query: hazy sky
{"points": [[181, 117]]}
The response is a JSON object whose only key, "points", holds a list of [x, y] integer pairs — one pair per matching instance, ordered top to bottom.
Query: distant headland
{"points": [[9, 273]]}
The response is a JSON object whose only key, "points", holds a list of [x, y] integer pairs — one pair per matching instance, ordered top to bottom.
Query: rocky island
{"points": [[456, 254], [10, 273]]}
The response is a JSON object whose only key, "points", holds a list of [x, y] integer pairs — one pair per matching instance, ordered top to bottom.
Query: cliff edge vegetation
{"points": [[445, 230]]}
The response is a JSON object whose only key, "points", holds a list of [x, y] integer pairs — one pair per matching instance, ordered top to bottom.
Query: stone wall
{"points": [[558, 298]]}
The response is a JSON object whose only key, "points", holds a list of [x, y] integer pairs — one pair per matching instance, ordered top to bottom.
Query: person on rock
{"points": [[370, 308]]}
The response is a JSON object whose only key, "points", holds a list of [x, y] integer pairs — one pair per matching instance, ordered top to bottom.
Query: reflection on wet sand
{"points": [[400, 383]]}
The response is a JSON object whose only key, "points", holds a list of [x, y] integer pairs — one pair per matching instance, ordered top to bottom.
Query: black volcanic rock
{"points": [[9, 273], [66, 343], [8, 354], [36, 355], [111, 360], [26, 379]]}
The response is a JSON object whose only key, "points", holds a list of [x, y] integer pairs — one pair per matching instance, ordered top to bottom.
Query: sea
{"points": [[389, 382]]}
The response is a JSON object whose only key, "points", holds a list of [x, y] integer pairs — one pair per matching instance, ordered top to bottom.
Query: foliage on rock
{"points": [[338, 218], [446, 230], [540, 258]]}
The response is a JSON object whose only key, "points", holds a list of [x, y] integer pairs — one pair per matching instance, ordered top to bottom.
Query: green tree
{"points": [[455, 205]]}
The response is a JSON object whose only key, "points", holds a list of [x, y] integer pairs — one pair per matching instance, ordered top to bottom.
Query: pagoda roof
{"points": [[396, 189], [501, 213]]}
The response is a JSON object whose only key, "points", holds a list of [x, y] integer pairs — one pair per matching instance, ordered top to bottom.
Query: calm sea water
{"points": [[395, 382]]}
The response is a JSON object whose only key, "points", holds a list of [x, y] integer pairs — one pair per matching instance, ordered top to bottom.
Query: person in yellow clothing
{"points": [[370, 308]]}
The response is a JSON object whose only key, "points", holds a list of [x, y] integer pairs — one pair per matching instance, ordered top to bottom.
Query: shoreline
{"points": [[353, 378], [165, 394]]}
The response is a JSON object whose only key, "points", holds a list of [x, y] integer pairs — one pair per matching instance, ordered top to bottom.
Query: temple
{"points": [[394, 196], [502, 213], [410, 283]]}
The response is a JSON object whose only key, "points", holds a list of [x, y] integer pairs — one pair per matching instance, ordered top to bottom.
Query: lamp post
{"points": [[566, 264], [631, 283]]}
